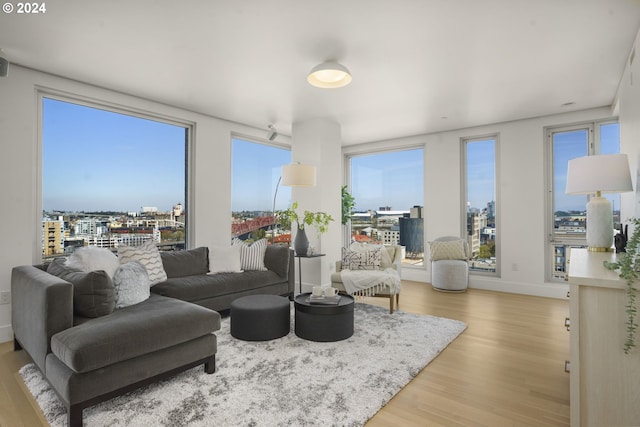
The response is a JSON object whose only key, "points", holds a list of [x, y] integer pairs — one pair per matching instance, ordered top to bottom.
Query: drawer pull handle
{"points": [[567, 323], [567, 366]]}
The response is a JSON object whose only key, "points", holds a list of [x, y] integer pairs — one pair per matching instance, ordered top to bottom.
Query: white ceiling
{"points": [[413, 61]]}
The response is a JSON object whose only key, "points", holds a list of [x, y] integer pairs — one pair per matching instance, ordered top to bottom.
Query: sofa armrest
{"points": [[276, 259], [280, 259], [41, 306]]}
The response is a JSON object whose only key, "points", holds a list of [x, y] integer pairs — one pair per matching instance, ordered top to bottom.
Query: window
{"points": [[110, 178], [388, 192], [255, 194], [480, 208], [567, 212]]}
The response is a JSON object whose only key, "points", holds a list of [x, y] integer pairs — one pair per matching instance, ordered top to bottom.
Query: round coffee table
{"points": [[323, 322]]}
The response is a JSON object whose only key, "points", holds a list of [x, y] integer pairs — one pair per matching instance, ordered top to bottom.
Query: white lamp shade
{"points": [[329, 75], [607, 173], [297, 175]]}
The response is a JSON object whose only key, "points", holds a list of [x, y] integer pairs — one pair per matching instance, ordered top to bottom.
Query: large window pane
{"points": [[256, 170], [110, 179], [388, 192], [481, 204], [569, 209]]}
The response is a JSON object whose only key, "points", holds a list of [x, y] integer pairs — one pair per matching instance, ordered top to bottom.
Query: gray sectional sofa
{"points": [[187, 278], [91, 359]]}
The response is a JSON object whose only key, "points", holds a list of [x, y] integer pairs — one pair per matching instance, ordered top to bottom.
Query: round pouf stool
{"points": [[260, 317]]}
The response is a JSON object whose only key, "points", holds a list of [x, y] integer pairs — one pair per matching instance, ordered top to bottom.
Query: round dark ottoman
{"points": [[260, 317]]}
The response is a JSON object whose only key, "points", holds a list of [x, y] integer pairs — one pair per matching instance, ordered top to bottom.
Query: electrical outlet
{"points": [[5, 297]]}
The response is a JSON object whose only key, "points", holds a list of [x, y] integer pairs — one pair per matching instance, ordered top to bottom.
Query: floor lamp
{"points": [[608, 173], [293, 175]]}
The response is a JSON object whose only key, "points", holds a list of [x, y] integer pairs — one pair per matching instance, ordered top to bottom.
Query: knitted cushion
{"points": [[447, 250]]}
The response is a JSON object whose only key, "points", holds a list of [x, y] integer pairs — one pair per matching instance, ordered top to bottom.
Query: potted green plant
{"points": [[348, 202], [319, 220], [628, 264]]}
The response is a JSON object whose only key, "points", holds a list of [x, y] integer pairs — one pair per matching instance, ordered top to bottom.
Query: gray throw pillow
{"points": [[189, 262], [132, 285], [93, 292]]}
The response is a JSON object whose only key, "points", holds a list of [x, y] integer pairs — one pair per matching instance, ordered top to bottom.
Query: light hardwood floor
{"points": [[506, 369]]}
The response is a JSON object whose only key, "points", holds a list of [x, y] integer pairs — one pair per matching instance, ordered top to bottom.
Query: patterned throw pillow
{"points": [[454, 249], [386, 252], [147, 255], [252, 255], [368, 259]]}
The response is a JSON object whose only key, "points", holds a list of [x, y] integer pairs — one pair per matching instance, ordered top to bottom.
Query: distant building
{"points": [[148, 209], [178, 211], [52, 236]]}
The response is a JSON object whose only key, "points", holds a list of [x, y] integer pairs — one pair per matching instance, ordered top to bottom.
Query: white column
{"points": [[319, 142]]}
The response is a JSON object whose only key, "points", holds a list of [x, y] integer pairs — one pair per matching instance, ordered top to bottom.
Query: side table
{"points": [[300, 266], [323, 322]]}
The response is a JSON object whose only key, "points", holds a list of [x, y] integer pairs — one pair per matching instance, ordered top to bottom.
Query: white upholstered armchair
{"points": [[449, 264], [370, 270]]}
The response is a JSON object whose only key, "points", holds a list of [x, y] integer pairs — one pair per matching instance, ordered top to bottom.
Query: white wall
{"points": [[629, 106], [20, 179]]}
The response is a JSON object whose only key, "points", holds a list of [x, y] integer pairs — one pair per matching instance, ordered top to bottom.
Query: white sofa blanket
{"points": [[370, 282]]}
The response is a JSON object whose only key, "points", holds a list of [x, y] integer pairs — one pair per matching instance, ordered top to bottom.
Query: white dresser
{"points": [[605, 382]]}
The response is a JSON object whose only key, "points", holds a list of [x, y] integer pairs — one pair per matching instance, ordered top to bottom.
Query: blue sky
{"points": [[94, 160], [481, 163], [255, 170], [393, 179]]}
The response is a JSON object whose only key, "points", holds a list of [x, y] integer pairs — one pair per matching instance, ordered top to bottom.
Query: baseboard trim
{"points": [[546, 289], [6, 333]]}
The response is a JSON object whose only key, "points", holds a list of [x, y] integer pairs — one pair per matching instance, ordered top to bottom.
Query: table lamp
{"points": [[607, 173]]}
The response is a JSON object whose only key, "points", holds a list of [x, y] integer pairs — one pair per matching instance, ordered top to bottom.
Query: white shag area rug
{"points": [[283, 382]]}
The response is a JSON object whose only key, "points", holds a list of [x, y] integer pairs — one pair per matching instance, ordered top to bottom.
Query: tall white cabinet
{"points": [[605, 382]]}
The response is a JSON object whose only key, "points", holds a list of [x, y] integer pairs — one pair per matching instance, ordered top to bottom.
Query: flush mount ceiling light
{"points": [[329, 75]]}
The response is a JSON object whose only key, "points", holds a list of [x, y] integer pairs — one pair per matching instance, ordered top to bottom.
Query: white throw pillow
{"points": [[148, 255], [251, 255], [93, 258], [225, 259], [131, 283]]}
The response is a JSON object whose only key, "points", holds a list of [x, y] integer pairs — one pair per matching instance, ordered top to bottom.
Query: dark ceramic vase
{"points": [[301, 242]]}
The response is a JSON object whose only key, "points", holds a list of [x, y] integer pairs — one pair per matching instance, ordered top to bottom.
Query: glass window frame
{"points": [[348, 156], [189, 174], [464, 198], [557, 247]]}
